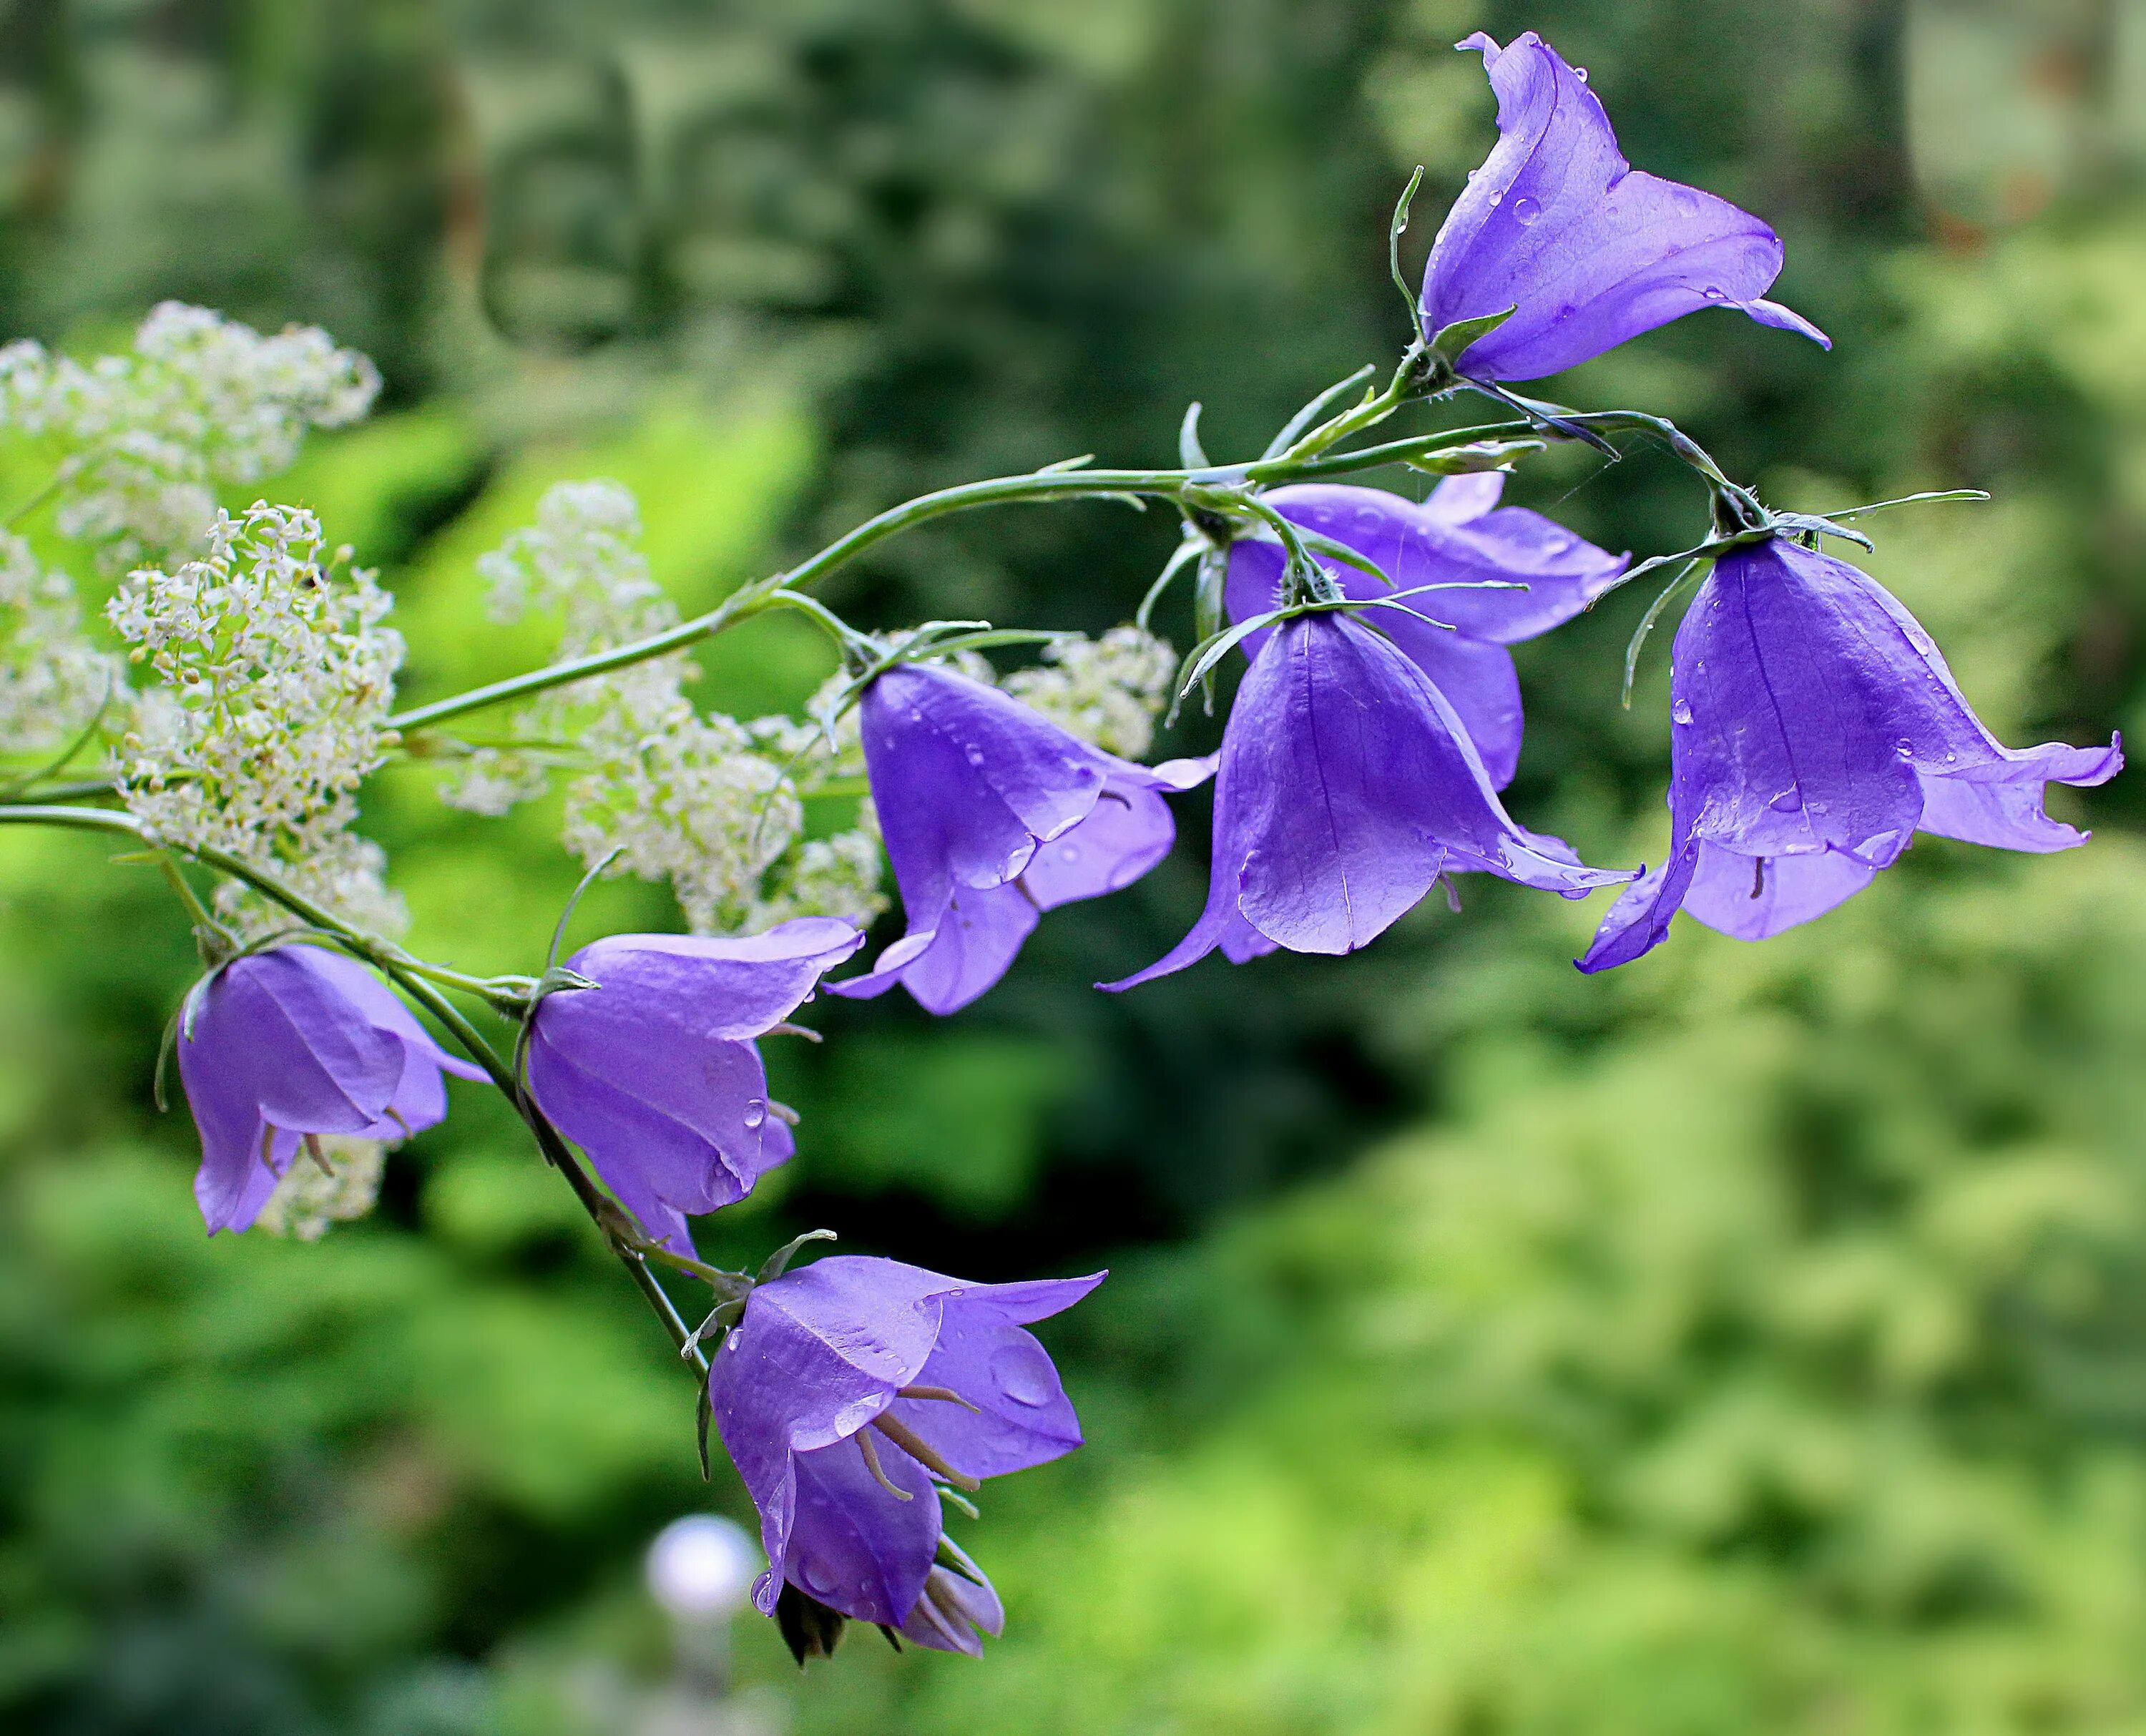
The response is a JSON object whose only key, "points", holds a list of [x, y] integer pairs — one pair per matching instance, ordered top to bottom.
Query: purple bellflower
{"points": [[1586, 250], [1459, 536], [1816, 729], [1348, 788], [992, 814], [276, 1046], [654, 1072], [848, 1392]]}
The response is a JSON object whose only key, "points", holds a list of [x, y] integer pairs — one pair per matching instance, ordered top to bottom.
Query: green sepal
{"points": [[1453, 341], [1190, 452], [777, 1263], [704, 1412]]}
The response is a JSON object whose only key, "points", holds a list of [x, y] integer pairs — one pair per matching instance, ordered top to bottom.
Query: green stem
{"points": [[1302, 463], [409, 976]]}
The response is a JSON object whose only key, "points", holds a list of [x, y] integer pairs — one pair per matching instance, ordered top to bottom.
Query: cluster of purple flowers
{"points": [[1816, 729]]}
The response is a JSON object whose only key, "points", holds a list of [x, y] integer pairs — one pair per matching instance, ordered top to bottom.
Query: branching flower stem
{"points": [[1302, 463], [418, 980]]}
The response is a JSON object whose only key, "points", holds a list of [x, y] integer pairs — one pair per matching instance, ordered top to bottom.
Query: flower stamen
{"points": [[907, 1439], [877, 1469]]}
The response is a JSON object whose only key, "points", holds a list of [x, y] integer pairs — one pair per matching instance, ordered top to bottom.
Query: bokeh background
{"points": [[1753, 1340]]}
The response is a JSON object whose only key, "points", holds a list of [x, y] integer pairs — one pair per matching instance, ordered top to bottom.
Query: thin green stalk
{"points": [[1038, 485]]}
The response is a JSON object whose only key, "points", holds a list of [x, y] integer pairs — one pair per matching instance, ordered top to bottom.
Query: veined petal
{"points": [[1589, 251], [967, 782], [1127, 833], [1753, 898], [693, 988], [279, 1024], [687, 1124], [821, 1350], [1022, 1416], [852, 1545]]}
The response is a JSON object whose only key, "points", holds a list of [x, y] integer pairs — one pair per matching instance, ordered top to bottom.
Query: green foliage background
{"points": [[1753, 1340]]}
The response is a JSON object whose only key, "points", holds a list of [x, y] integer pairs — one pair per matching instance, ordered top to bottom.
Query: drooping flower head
{"points": [[1587, 251], [1460, 536], [1815, 729], [1348, 788], [992, 814], [298, 1040], [654, 1072], [849, 1390]]}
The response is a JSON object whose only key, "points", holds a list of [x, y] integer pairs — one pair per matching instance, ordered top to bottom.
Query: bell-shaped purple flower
{"points": [[1587, 251], [1460, 536], [1816, 729], [1348, 788], [992, 814], [276, 1046], [654, 1072], [850, 1390]]}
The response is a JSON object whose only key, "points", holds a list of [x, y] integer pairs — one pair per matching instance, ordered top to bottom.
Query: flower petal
{"points": [[1589, 253], [967, 780], [1752, 898], [703, 990], [686, 1123], [1022, 1417], [852, 1545]]}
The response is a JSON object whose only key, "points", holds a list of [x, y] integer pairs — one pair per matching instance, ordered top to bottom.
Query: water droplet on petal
{"points": [[1580, 73], [1497, 197], [1526, 212], [1713, 294], [1680, 712], [1904, 748], [973, 754], [1787, 802], [1068, 852], [756, 1111], [1023, 1373], [819, 1578]]}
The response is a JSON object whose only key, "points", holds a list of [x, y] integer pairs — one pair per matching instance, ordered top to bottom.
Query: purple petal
{"points": [[1587, 251], [1459, 500], [1415, 545], [1786, 719], [967, 780], [1347, 786], [2007, 812], [1128, 832], [1752, 898], [1639, 920], [978, 934], [702, 990], [383, 1008], [278, 1025], [682, 1119], [822, 1348], [1022, 1417], [852, 1545], [955, 1608]]}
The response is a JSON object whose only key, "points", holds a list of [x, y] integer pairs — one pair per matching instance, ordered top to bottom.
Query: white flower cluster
{"points": [[198, 401], [53, 680], [276, 680], [1107, 691], [711, 806], [336, 1180]]}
